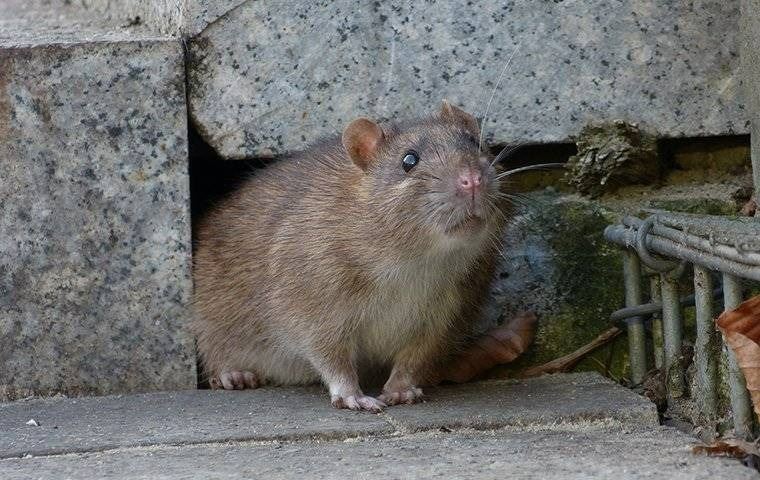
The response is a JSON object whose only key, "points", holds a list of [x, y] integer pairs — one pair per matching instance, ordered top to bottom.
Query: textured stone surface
{"points": [[200, 13], [83, 18], [97, 19], [27, 23], [750, 75], [272, 76], [94, 229], [544, 400], [193, 416], [87, 424], [561, 426], [569, 453]]}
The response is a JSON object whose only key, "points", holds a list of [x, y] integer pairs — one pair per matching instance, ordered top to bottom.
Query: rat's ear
{"points": [[456, 114], [361, 139]]}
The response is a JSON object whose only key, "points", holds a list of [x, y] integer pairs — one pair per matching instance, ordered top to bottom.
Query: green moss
{"points": [[611, 155], [710, 206], [587, 282]]}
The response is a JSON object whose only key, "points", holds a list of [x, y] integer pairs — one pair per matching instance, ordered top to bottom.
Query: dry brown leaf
{"points": [[749, 208], [741, 332], [499, 345], [729, 447]]}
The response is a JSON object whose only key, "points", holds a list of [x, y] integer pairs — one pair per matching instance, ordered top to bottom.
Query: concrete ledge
{"points": [[551, 399], [195, 416], [91, 424], [579, 453]]}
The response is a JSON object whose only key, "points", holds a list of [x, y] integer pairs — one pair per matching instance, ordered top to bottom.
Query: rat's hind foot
{"points": [[234, 380], [408, 395], [358, 402]]}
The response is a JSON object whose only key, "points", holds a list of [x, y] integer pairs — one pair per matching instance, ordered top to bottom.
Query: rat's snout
{"points": [[469, 181]]}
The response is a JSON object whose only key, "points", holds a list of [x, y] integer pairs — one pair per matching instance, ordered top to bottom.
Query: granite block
{"points": [[199, 14], [173, 18], [272, 76], [94, 218]]}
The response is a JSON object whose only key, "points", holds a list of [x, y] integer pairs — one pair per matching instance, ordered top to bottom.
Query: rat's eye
{"points": [[410, 160]]}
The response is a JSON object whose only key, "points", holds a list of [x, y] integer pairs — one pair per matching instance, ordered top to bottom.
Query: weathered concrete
{"points": [[173, 18], [272, 76], [750, 77], [95, 227], [544, 400], [194, 416], [87, 424], [561, 426], [583, 452]]}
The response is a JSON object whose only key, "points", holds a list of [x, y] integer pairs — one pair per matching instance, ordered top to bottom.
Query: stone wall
{"points": [[270, 76], [95, 230]]}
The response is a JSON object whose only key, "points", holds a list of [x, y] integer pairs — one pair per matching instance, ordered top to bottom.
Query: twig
{"points": [[567, 362]]}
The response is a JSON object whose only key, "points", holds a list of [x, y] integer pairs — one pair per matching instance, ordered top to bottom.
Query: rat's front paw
{"points": [[407, 395], [358, 402]]}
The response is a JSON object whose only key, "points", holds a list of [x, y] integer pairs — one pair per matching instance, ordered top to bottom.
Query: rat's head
{"points": [[428, 177]]}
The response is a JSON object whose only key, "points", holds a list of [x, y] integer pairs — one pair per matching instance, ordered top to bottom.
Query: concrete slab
{"points": [[750, 75], [269, 77], [95, 218], [549, 399], [101, 423], [87, 424], [586, 451]]}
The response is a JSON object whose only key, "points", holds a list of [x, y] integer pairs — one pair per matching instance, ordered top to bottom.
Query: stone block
{"points": [[272, 76], [750, 76], [94, 217], [547, 400], [293, 414], [191, 416], [569, 454]]}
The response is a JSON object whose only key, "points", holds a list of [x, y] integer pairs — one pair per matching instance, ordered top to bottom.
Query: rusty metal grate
{"points": [[722, 250]]}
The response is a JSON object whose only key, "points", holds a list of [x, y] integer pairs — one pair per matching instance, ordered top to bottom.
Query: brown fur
{"points": [[321, 268]]}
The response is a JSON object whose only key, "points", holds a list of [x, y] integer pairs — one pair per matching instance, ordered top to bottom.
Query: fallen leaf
{"points": [[749, 208], [741, 332], [497, 346], [727, 447]]}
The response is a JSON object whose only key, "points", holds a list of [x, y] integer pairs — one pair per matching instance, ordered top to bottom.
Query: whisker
{"points": [[493, 93], [508, 150], [540, 166], [429, 175]]}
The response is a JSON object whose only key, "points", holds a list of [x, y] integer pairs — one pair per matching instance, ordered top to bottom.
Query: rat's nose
{"points": [[469, 181]]}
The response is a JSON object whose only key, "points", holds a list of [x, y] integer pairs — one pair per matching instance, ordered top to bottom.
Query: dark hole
{"points": [[211, 177]]}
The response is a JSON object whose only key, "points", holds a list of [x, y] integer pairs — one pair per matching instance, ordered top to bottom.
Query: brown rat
{"points": [[367, 252]]}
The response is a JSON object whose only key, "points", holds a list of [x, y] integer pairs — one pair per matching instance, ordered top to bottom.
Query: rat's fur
{"points": [[320, 268]]}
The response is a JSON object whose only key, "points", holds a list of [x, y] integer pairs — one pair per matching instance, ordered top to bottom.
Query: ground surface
{"points": [[561, 426]]}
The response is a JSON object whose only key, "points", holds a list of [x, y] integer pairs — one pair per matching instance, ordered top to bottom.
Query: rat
{"points": [[371, 252]]}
